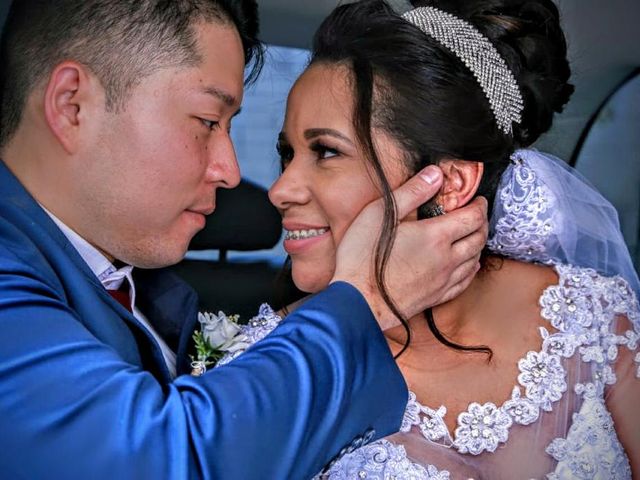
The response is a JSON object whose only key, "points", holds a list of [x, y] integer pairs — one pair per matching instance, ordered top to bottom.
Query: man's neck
{"points": [[97, 261]]}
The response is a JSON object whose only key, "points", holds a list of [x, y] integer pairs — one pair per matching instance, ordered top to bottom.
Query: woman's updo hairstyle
{"points": [[528, 36], [408, 85], [427, 99]]}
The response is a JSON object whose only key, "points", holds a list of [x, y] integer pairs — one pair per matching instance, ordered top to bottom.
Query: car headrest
{"points": [[244, 219]]}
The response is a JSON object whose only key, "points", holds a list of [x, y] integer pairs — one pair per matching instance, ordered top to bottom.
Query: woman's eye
{"points": [[210, 124], [324, 151], [285, 152]]}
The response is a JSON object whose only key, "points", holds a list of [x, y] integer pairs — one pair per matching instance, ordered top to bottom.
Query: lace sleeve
{"points": [[623, 395]]}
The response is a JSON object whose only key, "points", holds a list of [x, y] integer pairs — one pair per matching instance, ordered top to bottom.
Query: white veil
{"points": [[545, 211]]}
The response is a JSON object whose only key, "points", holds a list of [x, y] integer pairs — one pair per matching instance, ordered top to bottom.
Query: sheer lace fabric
{"points": [[547, 212], [555, 424]]}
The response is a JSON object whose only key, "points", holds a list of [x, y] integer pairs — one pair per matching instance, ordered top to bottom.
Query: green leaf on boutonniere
{"points": [[206, 354]]}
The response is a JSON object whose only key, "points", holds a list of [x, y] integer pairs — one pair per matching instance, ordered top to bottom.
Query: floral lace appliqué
{"points": [[527, 217], [569, 306], [543, 377], [522, 410], [430, 422], [481, 428], [591, 449], [381, 460]]}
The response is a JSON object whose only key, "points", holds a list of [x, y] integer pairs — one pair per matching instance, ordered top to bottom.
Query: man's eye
{"points": [[210, 124]]}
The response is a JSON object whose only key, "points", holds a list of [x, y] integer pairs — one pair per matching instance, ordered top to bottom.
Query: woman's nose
{"points": [[290, 188]]}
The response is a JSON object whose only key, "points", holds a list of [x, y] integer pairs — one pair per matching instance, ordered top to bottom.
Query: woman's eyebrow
{"points": [[317, 132]]}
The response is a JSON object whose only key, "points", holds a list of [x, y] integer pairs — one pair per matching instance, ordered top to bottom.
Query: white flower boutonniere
{"points": [[218, 335]]}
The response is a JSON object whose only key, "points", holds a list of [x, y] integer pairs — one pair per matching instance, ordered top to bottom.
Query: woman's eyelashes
{"points": [[319, 149], [323, 150], [285, 151]]}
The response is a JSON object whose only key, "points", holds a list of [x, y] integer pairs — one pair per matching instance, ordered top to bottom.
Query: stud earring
{"points": [[435, 210]]}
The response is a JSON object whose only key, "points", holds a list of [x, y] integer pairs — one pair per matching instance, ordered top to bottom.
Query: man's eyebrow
{"points": [[220, 94], [317, 132]]}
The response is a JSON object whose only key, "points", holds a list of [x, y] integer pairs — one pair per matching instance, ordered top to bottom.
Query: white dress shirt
{"points": [[112, 279]]}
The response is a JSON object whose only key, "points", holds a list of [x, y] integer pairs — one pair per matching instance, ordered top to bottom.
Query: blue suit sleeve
{"points": [[71, 407]]}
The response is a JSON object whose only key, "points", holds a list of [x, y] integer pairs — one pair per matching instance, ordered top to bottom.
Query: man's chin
{"points": [[158, 258]]}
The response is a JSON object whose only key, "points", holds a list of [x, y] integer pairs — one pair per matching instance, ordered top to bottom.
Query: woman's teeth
{"points": [[302, 234]]}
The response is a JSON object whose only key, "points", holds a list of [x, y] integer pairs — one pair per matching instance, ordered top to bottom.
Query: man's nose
{"points": [[223, 166]]}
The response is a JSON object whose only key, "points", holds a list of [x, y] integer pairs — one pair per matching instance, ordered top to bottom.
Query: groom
{"points": [[114, 137]]}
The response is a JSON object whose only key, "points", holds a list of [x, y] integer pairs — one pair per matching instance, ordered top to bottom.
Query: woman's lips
{"points": [[304, 233], [298, 240]]}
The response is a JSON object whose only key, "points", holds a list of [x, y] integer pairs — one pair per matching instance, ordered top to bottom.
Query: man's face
{"points": [[154, 167]]}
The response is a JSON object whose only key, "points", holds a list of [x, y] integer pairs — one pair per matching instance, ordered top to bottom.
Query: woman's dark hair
{"points": [[409, 86]]}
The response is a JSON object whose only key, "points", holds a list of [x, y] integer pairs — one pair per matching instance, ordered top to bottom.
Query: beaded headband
{"points": [[476, 52]]}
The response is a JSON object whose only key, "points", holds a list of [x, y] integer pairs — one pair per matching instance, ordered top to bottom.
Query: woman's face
{"points": [[326, 180]]}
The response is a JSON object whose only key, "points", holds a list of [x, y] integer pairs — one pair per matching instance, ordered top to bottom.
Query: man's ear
{"points": [[66, 94], [461, 181]]}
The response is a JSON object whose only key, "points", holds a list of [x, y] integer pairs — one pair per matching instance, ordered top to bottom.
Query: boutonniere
{"points": [[218, 336]]}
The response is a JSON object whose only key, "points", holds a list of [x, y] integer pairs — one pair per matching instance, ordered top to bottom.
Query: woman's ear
{"points": [[461, 181]]}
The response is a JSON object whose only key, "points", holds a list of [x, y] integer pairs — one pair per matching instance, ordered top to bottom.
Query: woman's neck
{"points": [[480, 315], [452, 318]]}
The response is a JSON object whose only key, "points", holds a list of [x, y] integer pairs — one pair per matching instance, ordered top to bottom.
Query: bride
{"points": [[532, 371]]}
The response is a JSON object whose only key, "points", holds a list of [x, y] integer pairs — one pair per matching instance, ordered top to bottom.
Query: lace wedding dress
{"points": [[555, 424]]}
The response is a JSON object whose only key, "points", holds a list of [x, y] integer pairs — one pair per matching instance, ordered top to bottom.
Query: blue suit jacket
{"points": [[84, 392]]}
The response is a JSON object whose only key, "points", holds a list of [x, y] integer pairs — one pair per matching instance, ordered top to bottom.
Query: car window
{"points": [[609, 156]]}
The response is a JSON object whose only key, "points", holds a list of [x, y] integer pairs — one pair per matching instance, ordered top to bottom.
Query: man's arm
{"points": [[72, 408]]}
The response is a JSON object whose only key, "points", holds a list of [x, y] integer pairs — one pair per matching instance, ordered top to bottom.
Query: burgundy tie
{"points": [[122, 296]]}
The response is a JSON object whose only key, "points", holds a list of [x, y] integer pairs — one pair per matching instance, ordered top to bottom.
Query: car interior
{"points": [[236, 262]]}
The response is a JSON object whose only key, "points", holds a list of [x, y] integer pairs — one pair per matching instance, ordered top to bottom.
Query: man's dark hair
{"points": [[121, 41]]}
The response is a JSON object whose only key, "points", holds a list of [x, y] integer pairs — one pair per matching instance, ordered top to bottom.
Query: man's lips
{"points": [[203, 211]]}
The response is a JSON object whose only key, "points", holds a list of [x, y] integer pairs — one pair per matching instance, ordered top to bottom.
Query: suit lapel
{"points": [[171, 306]]}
